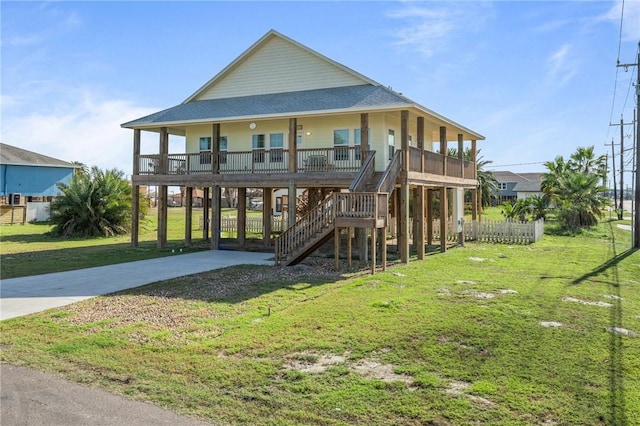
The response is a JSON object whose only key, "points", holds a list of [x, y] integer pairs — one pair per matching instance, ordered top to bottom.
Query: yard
{"points": [[486, 334]]}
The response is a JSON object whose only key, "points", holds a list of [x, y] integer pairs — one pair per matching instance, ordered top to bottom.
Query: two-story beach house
{"points": [[282, 116]]}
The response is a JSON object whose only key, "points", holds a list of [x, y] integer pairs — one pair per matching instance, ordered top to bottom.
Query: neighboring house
{"points": [[282, 116], [27, 174], [25, 177], [515, 186]]}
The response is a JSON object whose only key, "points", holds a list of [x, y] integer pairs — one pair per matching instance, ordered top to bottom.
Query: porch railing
{"points": [[336, 159]]}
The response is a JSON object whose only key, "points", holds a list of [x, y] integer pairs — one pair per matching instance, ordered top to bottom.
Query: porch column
{"points": [[364, 137], [420, 142], [293, 145], [215, 148], [443, 149], [461, 154], [404, 187], [163, 190], [474, 192], [267, 194], [135, 196], [216, 198], [291, 199], [429, 209], [205, 213], [458, 213], [188, 215], [444, 215], [242, 216], [415, 216], [418, 231], [373, 250]]}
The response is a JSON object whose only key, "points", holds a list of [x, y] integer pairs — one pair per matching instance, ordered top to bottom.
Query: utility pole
{"points": [[613, 163], [636, 195], [620, 207]]}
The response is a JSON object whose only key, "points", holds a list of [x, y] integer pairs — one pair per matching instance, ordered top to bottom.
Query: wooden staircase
{"points": [[365, 206]]}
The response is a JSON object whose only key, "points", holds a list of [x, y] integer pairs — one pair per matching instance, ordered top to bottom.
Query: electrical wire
{"points": [[615, 84]]}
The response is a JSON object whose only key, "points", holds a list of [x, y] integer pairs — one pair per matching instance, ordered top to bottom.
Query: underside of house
{"points": [[282, 116]]}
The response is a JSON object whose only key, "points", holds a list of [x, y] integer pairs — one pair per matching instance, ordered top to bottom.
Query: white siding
{"points": [[277, 67]]}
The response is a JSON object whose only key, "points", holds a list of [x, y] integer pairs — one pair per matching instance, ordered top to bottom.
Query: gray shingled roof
{"points": [[337, 98], [18, 156]]}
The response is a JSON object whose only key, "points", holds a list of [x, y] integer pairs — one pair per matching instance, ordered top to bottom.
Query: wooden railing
{"points": [[339, 159], [434, 164], [367, 170], [388, 179], [349, 205], [301, 232]]}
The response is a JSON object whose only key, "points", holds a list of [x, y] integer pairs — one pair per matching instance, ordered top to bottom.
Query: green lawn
{"points": [[29, 250], [461, 338]]}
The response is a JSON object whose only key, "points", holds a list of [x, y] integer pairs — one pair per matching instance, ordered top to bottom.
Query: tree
{"points": [[486, 180], [574, 187], [97, 203]]}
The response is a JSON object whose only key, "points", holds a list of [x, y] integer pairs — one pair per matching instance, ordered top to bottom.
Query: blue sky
{"points": [[535, 78]]}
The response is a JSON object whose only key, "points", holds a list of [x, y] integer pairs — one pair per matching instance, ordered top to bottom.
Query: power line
{"points": [[509, 165]]}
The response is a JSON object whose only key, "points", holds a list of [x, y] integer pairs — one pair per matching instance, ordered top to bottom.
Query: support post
{"points": [[364, 136], [420, 142], [292, 145], [215, 148], [443, 149], [461, 154], [163, 190], [475, 199], [135, 200], [291, 200], [429, 209], [205, 213], [188, 215], [242, 216], [266, 216], [444, 216], [215, 217], [418, 231], [336, 248], [383, 249], [373, 250], [349, 260]]}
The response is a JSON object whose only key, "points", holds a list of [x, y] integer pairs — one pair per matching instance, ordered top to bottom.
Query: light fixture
{"points": [[252, 126], [308, 133]]}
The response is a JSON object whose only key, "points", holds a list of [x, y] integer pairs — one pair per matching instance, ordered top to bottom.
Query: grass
{"points": [[30, 250], [256, 345]]}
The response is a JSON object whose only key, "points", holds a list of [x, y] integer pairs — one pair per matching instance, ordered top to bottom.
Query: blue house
{"points": [[26, 174], [514, 186]]}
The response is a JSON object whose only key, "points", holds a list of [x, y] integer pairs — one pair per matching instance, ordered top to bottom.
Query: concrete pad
{"points": [[26, 295]]}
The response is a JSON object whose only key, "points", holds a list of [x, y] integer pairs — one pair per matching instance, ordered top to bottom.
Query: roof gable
{"points": [[277, 64], [18, 156]]}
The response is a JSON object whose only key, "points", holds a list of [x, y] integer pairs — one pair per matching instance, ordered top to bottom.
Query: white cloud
{"points": [[630, 21], [429, 27], [560, 66], [84, 128]]}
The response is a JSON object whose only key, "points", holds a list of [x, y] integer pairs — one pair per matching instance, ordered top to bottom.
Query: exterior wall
{"points": [[263, 73], [32, 180]]}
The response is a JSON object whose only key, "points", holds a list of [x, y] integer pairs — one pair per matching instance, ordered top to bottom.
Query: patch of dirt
{"points": [[477, 259], [466, 282], [508, 291], [481, 295], [612, 296], [585, 302], [173, 308], [550, 324], [623, 331], [309, 362], [460, 389]]}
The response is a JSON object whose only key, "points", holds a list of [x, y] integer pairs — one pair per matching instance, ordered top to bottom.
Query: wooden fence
{"points": [[229, 224], [505, 232]]}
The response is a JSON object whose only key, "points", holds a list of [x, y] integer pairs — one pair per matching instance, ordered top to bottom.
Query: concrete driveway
{"points": [[26, 295]]}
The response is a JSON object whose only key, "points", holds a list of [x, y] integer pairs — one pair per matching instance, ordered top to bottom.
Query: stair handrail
{"points": [[365, 173], [388, 179], [298, 234]]}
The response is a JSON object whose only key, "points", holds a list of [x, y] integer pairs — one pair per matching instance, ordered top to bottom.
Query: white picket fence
{"points": [[505, 232]]}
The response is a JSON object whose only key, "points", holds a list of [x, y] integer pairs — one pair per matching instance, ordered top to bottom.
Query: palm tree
{"points": [[486, 180], [581, 202], [97, 203], [539, 206]]}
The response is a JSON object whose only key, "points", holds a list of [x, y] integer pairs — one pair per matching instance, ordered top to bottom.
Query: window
{"points": [[356, 142], [258, 143], [392, 143], [276, 144], [341, 145], [205, 150], [223, 150], [502, 186]]}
